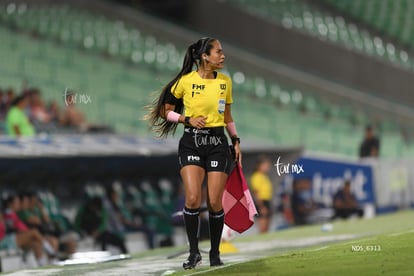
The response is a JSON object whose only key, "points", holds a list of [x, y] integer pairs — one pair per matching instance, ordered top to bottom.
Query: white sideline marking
{"points": [[402, 233], [363, 240], [304, 242], [319, 248], [158, 264], [31, 272]]}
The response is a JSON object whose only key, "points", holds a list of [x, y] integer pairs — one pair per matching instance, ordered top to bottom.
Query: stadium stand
{"points": [[311, 18], [391, 18], [115, 64]]}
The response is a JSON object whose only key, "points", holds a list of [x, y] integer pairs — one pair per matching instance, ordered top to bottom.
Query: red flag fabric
{"points": [[238, 204]]}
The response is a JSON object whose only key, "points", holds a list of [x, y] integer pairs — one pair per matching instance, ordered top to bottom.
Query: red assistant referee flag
{"points": [[238, 204]]}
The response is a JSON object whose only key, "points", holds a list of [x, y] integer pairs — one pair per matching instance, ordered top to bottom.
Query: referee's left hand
{"points": [[238, 154]]}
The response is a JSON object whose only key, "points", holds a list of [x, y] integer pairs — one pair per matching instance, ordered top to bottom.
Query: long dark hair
{"points": [[192, 57]]}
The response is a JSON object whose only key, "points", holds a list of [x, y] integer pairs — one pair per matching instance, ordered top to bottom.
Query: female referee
{"points": [[206, 97]]}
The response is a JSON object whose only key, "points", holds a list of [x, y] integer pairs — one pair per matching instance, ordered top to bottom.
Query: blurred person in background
{"points": [[206, 97], [38, 112], [54, 112], [72, 116], [41, 118], [17, 122], [370, 146], [263, 192], [345, 203], [303, 205], [305, 210], [34, 215], [92, 219], [121, 221], [14, 224], [26, 240]]}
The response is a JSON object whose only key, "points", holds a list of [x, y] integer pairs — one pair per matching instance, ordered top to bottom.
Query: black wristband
{"points": [[187, 120], [235, 139]]}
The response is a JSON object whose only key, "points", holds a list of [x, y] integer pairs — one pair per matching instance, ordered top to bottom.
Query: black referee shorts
{"points": [[206, 147]]}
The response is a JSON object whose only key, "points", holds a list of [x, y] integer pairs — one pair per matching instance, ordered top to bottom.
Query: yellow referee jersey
{"points": [[204, 97], [262, 185]]}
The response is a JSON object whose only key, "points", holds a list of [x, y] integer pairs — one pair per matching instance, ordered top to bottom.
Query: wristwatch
{"points": [[187, 120], [235, 139]]}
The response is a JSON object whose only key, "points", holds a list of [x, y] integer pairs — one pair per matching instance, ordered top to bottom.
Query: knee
{"points": [[192, 201], [215, 204]]}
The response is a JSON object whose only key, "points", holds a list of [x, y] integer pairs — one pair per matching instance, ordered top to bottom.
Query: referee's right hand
{"points": [[198, 122]]}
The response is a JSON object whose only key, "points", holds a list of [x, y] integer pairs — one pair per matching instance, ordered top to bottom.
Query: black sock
{"points": [[192, 222], [216, 223]]}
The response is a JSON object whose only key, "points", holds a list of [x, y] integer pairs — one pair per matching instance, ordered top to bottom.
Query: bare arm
{"points": [[167, 108], [227, 114], [228, 118], [198, 122]]}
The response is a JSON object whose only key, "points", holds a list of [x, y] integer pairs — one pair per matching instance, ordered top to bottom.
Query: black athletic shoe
{"points": [[193, 260], [215, 260]]}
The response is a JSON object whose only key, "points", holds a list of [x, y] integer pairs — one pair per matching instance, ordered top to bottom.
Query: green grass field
{"points": [[380, 246], [378, 255]]}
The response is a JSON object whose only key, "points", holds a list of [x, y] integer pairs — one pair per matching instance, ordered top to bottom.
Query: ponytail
{"points": [[158, 123]]}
